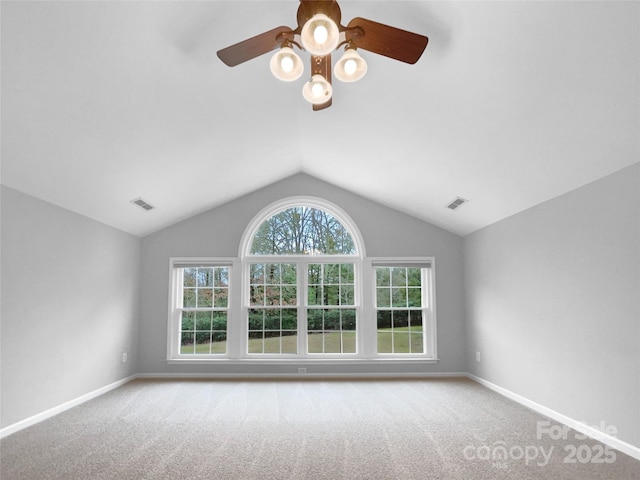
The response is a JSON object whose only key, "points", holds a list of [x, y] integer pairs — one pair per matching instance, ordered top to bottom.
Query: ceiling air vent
{"points": [[141, 203], [456, 203]]}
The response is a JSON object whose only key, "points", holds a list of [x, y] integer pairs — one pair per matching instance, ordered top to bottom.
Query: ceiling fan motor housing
{"points": [[309, 8]]}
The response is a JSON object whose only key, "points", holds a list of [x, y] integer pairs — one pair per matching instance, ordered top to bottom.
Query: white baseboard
{"points": [[298, 376], [27, 422], [581, 427]]}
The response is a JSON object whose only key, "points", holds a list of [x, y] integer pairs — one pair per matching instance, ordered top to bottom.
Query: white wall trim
{"points": [[301, 376], [27, 422], [581, 427]]}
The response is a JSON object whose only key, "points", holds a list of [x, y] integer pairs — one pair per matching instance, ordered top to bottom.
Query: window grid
{"points": [[400, 302], [204, 310], [331, 313], [272, 316]]}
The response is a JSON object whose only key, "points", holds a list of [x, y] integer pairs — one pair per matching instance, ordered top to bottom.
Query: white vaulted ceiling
{"points": [[512, 103]]}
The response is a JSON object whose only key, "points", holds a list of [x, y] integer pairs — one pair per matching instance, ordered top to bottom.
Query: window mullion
{"points": [[302, 283]]}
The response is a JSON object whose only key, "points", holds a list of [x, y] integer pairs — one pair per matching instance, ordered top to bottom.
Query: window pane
{"points": [[302, 231], [256, 273], [346, 273], [272, 274], [289, 274], [331, 274], [383, 276], [190, 277], [205, 277], [221, 277], [399, 277], [414, 277], [272, 284], [257, 295], [272, 295], [314, 295], [331, 295], [347, 295], [289, 296], [414, 296], [205, 297], [221, 297], [383, 297], [399, 297], [189, 298], [256, 319], [289, 319], [349, 319], [384, 319], [400, 319], [272, 320], [315, 320], [415, 320], [188, 321], [203, 321], [272, 330], [331, 330], [203, 333], [255, 342], [332, 342], [349, 342], [385, 342], [401, 342], [417, 342], [186, 343], [271, 343], [289, 343]]}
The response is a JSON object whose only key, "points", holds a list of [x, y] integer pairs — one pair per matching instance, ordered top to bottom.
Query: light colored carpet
{"points": [[400, 429]]}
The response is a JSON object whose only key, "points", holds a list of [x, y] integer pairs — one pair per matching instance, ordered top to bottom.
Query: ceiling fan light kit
{"points": [[319, 32], [320, 35], [286, 65], [351, 67], [317, 91]]}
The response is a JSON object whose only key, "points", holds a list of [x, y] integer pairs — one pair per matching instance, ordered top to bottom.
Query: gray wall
{"points": [[218, 233], [552, 302], [69, 305]]}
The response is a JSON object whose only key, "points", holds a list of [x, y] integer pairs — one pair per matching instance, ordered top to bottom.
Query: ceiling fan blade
{"points": [[385, 40], [254, 46], [322, 66]]}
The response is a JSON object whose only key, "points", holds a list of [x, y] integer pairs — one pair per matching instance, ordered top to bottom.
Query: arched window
{"points": [[302, 226], [301, 230], [302, 269]]}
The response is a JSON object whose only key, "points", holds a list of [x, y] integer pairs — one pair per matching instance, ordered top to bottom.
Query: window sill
{"points": [[303, 361]]}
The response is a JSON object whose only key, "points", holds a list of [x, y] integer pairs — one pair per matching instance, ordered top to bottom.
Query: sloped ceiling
{"points": [[512, 103]]}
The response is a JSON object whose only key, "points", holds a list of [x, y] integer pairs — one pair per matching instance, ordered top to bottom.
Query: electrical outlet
{"points": [[478, 357], [124, 358], [302, 370]]}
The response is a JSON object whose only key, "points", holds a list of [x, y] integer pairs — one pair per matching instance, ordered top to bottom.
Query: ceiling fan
{"points": [[320, 32]]}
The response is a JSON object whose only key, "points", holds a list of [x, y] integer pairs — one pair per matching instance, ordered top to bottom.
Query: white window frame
{"points": [[302, 262], [176, 265], [364, 299], [428, 303]]}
